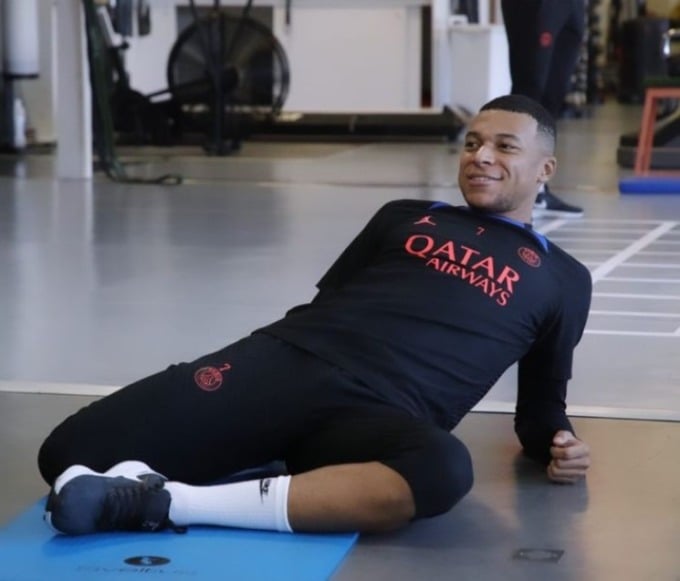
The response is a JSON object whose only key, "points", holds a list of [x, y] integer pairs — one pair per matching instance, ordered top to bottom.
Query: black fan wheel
{"points": [[252, 69]]}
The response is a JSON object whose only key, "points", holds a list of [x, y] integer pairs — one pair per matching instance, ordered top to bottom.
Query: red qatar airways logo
{"points": [[497, 281]]}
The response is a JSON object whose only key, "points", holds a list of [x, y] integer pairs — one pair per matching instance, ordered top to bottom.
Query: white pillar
{"points": [[441, 54], [74, 104]]}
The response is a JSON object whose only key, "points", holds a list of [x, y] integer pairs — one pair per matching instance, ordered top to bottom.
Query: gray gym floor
{"points": [[102, 283]]}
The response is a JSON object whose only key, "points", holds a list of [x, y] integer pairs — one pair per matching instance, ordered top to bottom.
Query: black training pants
{"points": [[544, 40], [254, 402]]}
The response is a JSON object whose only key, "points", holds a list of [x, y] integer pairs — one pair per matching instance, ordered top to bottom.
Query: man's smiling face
{"points": [[503, 163]]}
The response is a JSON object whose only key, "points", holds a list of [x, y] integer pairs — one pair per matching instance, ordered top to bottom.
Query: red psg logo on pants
{"points": [[210, 378]]}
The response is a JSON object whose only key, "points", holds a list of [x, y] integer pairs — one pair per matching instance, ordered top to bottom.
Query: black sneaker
{"points": [[548, 205], [128, 497]]}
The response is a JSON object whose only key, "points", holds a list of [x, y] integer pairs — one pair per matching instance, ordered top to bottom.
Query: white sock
{"points": [[541, 189], [253, 504]]}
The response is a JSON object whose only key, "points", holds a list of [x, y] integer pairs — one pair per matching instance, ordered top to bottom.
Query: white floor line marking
{"points": [[613, 221], [550, 226], [570, 228], [565, 240], [606, 251], [659, 253], [649, 265], [605, 268], [640, 280], [638, 296], [650, 314], [618, 333], [42, 387], [590, 411]]}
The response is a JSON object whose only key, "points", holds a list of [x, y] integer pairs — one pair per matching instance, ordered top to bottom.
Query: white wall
{"points": [[348, 58], [353, 59], [480, 66]]}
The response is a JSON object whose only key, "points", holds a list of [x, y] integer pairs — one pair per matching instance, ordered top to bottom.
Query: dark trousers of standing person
{"points": [[544, 41]]}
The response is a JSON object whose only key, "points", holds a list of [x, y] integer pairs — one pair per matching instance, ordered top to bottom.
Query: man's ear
{"points": [[548, 170]]}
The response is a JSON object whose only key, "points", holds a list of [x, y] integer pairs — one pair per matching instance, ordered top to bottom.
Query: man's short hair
{"points": [[521, 104]]}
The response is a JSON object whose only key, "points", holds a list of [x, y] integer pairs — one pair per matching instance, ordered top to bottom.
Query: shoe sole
{"points": [[133, 469]]}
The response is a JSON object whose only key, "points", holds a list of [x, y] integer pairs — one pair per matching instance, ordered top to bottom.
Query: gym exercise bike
{"points": [[223, 71]]}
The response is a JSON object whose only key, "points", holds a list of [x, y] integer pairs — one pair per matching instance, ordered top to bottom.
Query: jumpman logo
{"points": [[425, 220]]}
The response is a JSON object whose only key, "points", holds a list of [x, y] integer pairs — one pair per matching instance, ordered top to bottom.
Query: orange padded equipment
{"points": [[646, 138]]}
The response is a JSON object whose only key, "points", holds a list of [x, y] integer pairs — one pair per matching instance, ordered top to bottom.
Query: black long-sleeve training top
{"points": [[430, 304]]}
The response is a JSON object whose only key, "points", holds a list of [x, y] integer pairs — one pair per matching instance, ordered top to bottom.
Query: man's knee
{"points": [[440, 474], [453, 483]]}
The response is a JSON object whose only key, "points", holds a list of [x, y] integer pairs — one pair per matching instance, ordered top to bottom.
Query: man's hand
{"points": [[570, 458]]}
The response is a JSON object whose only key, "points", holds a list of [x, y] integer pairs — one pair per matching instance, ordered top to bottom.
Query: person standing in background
{"points": [[544, 40]]}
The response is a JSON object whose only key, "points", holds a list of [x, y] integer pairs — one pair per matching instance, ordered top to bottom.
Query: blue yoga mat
{"points": [[650, 185], [29, 550]]}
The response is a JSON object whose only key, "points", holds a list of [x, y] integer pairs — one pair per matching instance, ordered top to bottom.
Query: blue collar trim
{"points": [[540, 238]]}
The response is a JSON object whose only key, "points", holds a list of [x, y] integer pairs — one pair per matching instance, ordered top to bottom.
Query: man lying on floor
{"points": [[359, 390]]}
